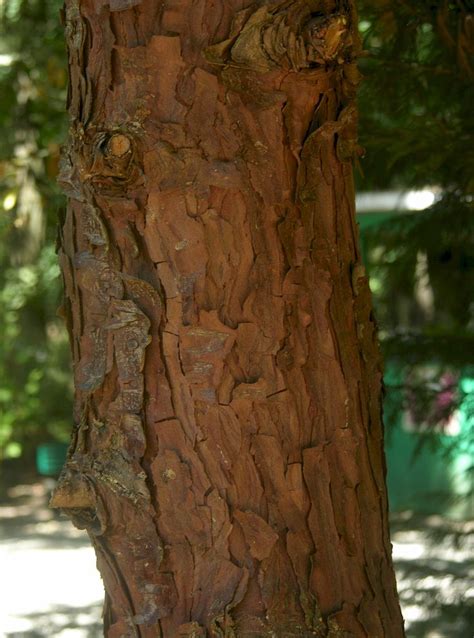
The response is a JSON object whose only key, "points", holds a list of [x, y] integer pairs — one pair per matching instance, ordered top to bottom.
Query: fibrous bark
{"points": [[227, 452]]}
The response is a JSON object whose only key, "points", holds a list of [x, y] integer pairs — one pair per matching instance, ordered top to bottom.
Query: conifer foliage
{"points": [[417, 129]]}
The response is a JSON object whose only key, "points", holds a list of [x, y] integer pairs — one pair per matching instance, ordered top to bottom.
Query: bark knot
{"points": [[118, 145]]}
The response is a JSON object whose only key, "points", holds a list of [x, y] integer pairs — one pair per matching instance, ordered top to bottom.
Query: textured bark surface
{"points": [[227, 452]]}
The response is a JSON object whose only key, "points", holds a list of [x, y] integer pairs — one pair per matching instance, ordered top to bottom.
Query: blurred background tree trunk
{"points": [[227, 456]]}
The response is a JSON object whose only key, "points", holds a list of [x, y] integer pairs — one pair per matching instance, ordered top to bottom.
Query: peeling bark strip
{"points": [[227, 451]]}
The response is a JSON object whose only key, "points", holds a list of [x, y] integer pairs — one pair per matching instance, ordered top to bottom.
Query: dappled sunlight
{"points": [[433, 561], [49, 584], [60, 622]]}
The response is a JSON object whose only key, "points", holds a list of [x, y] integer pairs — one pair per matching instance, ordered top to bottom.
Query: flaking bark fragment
{"points": [[294, 37]]}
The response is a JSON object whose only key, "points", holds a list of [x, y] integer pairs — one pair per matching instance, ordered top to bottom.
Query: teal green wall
{"points": [[436, 477]]}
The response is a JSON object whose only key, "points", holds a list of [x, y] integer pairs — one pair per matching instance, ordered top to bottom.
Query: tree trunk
{"points": [[227, 453]]}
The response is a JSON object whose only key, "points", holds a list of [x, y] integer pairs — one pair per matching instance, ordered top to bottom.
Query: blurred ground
{"points": [[434, 561], [49, 586]]}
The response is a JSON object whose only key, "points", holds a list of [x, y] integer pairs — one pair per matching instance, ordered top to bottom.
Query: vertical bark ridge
{"points": [[227, 457]]}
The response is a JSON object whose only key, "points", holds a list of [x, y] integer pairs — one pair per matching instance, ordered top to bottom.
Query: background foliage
{"points": [[417, 128], [35, 385]]}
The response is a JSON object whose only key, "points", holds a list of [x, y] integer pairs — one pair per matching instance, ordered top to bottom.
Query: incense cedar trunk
{"points": [[227, 456]]}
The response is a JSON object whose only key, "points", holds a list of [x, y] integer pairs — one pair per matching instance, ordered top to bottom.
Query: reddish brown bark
{"points": [[227, 458]]}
